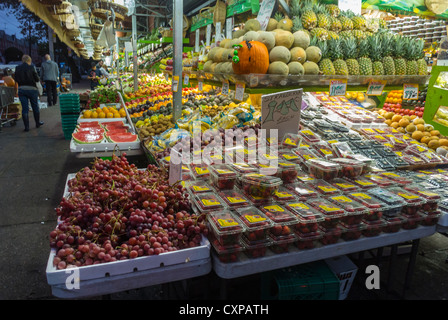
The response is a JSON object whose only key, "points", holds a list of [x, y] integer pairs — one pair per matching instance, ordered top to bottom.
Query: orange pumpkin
{"points": [[252, 57], [9, 81]]}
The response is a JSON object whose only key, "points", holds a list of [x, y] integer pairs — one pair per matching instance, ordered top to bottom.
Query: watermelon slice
{"points": [[112, 123], [89, 124], [91, 130], [116, 130], [122, 137], [87, 138]]}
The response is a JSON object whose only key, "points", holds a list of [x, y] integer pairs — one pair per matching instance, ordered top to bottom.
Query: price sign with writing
{"points": [[265, 13], [229, 27], [218, 32], [208, 35], [196, 44], [186, 79], [175, 84], [200, 85], [338, 87], [376, 87], [225, 88], [239, 91], [410, 91], [281, 111]]}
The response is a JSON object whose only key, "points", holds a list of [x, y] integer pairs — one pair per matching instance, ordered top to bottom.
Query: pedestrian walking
{"points": [[50, 75], [26, 77]]}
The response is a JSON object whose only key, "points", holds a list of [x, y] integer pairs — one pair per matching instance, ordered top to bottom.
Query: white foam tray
{"points": [[125, 120]]}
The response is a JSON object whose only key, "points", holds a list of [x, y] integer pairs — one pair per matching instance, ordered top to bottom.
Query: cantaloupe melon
{"points": [[272, 24], [285, 24], [252, 25], [238, 33], [251, 36], [267, 38], [283, 38], [301, 39], [224, 43], [212, 52], [280, 53], [298, 54], [313, 54], [207, 66], [278, 67], [296, 68], [311, 68]]}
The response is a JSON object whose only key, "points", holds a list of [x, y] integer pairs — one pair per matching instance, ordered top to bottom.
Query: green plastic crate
{"points": [[311, 281]]}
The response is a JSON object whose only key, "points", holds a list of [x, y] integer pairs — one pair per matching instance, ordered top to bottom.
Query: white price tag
{"points": [[229, 27], [218, 32], [208, 35], [196, 44], [167, 76], [186, 79], [175, 84], [200, 85], [338, 87], [225, 88], [376, 88], [239, 91], [410, 91]]}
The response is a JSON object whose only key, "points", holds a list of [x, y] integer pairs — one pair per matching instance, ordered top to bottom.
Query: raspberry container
{"points": [[309, 136], [291, 140], [350, 168], [265, 169], [321, 169], [200, 171], [287, 171], [221, 177], [260, 185], [344, 185], [198, 186], [324, 188], [283, 195], [234, 198], [432, 198], [208, 201], [414, 202], [355, 210], [332, 213], [308, 218], [430, 218], [283, 220], [412, 221], [256, 223], [393, 224], [225, 227], [373, 228], [352, 232], [331, 235], [309, 240], [281, 244], [256, 248], [229, 253]]}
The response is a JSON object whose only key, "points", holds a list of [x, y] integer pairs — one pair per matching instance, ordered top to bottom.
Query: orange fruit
{"points": [[105, 109], [98, 110], [87, 114], [94, 114], [110, 114], [101, 115], [117, 115], [396, 118], [419, 121], [388, 122], [403, 122], [394, 125], [420, 127], [411, 128], [435, 133], [417, 135], [425, 140], [443, 142], [434, 144]]}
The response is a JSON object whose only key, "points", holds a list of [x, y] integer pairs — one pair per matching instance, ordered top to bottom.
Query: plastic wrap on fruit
{"points": [[227, 122]]}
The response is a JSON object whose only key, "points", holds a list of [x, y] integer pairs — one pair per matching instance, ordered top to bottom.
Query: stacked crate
{"points": [[70, 109]]}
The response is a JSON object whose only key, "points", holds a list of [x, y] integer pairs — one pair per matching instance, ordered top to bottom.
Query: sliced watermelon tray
{"points": [[103, 136]]}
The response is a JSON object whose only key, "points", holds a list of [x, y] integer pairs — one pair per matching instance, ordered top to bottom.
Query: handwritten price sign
{"points": [[338, 87], [376, 88], [410, 91]]}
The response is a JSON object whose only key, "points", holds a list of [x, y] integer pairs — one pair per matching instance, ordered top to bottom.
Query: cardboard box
{"points": [[345, 270]]}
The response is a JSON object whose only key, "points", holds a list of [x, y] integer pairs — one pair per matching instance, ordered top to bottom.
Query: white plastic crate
{"points": [[345, 270]]}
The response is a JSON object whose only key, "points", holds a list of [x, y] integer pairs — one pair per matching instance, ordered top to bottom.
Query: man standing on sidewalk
{"points": [[50, 75]]}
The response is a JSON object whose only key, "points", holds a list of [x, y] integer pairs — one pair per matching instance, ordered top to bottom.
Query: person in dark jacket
{"points": [[50, 75], [26, 78]]}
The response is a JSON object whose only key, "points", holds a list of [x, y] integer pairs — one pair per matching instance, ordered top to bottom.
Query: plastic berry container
{"points": [[309, 136], [291, 140], [325, 151], [306, 154], [289, 156], [242, 168], [350, 168], [321, 169], [200, 171], [287, 171], [187, 176], [221, 177], [304, 177], [399, 179], [380, 181], [363, 183], [260, 185], [344, 185], [198, 186], [324, 188], [302, 191], [283, 195], [234, 198], [432, 198], [208, 201], [258, 201], [413, 201], [394, 203], [374, 207], [355, 210], [332, 213], [308, 218], [430, 218], [283, 220], [412, 221], [256, 223], [393, 224], [225, 227], [373, 228], [352, 232], [331, 235], [309, 240], [281, 244], [256, 248], [229, 253]]}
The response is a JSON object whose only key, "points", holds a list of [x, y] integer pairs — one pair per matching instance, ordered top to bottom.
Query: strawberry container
{"points": [[309, 136], [291, 141], [325, 150], [307, 154], [289, 156], [242, 168], [350, 168], [266, 169], [321, 169], [200, 171], [287, 171], [187, 176], [221, 177], [304, 177], [398, 178], [380, 181], [363, 183], [260, 185], [344, 185], [198, 186], [324, 188], [302, 191], [283, 195], [234, 198], [432, 198], [208, 201], [258, 201], [414, 202], [394, 203], [374, 207], [355, 210], [333, 214], [308, 218], [430, 218], [283, 219], [412, 220], [256, 223], [393, 224], [225, 227], [373, 228], [352, 232], [331, 235], [309, 240], [281, 244], [256, 248], [227, 253]]}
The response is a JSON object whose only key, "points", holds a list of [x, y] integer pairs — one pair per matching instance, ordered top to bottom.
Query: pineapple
{"points": [[333, 10], [278, 16], [323, 17], [309, 18], [345, 19], [359, 22], [335, 24], [297, 25], [372, 25], [320, 33], [346, 34], [332, 35], [359, 35], [350, 49], [412, 51], [375, 54], [337, 55], [388, 61], [399, 61], [325, 64], [365, 64], [422, 67]]}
